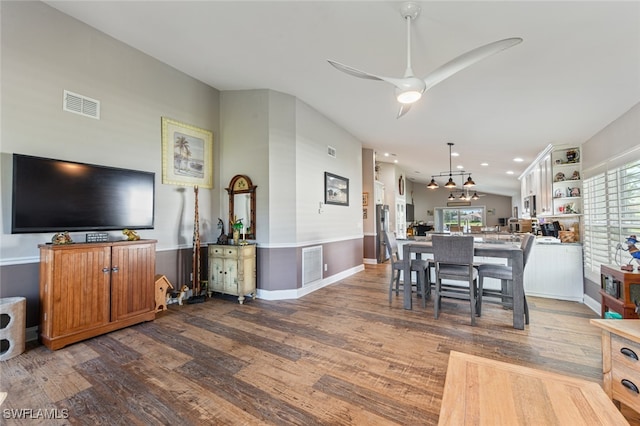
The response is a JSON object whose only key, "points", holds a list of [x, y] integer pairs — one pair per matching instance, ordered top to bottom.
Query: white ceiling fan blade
{"points": [[467, 59], [354, 72], [397, 82], [404, 108]]}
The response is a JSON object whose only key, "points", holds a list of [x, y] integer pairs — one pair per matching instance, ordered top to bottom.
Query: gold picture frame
{"points": [[187, 154], [365, 198]]}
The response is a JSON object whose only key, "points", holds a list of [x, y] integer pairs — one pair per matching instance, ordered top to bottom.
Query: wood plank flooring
{"points": [[339, 356]]}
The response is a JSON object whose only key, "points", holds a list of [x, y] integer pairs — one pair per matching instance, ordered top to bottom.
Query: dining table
{"points": [[502, 249]]}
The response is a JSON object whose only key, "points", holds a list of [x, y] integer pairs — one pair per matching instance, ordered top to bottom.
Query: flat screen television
{"points": [[51, 195]]}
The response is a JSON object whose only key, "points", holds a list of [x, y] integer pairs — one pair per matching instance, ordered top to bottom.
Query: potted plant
{"points": [[236, 226]]}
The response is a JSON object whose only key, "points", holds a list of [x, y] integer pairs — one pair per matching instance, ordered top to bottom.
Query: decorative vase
{"points": [[236, 236]]}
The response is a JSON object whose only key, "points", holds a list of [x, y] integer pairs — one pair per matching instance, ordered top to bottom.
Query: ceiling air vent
{"points": [[82, 105], [331, 151]]}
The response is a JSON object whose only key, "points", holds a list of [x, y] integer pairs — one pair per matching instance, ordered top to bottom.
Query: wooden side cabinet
{"points": [[232, 270], [91, 289], [620, 291], [620, 360]]}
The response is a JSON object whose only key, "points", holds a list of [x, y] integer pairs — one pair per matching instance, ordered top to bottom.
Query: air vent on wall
{"points": [[78, 104], [331, 151], [311, 264]]}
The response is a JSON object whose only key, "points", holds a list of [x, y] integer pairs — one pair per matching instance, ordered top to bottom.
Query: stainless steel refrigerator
{"points": [[382, 225]]}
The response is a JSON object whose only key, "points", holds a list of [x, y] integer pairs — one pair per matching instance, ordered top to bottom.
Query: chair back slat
{"points": [[392, 246], [527, 247], [453, 249]]}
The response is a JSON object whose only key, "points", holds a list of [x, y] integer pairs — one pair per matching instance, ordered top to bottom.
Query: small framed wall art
{"points": [[336, 189]]}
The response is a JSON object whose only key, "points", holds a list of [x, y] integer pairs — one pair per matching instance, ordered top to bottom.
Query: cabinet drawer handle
{"points": [[115, 269], [105, 270], [628, 352], [629, 385]]}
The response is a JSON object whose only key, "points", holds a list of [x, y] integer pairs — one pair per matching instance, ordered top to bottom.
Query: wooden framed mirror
{"points": [[242, 204]]}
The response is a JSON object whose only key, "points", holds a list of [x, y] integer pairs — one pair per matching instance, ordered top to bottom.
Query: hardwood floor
{"points": [[339, 356]]}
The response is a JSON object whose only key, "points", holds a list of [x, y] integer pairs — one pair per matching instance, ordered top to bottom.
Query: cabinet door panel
{"points": [[216, 271], [231, 276], [132, 285], [80, 290]]}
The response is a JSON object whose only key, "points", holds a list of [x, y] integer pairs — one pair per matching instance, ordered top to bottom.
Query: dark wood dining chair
{"points": [[453, 257], [421, 267], [504, 273]]}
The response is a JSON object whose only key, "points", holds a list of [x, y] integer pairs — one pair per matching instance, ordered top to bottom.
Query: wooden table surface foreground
{"points": [[481, 391]]}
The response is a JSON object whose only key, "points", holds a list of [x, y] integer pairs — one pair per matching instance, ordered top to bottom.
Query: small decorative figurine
{"points": [[575, 175], [559, 177], [131, 235], [61, 238], [223, 238], [632, 249], [173, 297]]}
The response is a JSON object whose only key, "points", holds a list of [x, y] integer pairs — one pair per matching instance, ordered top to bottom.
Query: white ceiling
{"points": [[577, 70]]}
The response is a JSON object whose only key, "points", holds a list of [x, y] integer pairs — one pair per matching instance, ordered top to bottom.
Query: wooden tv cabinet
{"points": [[91, 289], [620, 290]]}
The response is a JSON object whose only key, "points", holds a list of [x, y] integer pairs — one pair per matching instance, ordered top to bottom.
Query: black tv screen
{"points": [[55, 195]]}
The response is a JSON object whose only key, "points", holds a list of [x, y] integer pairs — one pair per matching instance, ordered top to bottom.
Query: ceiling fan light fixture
{"points": [[408, 96], [433, 184]]}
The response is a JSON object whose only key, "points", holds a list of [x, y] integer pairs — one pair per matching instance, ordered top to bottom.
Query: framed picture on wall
{"points": [[187, 154], [336, 189], [365, 198]]}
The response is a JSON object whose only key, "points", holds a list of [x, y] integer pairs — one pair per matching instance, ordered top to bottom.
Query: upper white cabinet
{"points": [[536, 181], [379, 192], [545, 204]]}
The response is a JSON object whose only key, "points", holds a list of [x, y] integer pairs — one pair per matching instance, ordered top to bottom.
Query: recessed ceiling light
{"points": [[386, 154], [455, 154], [518, 160], [395, 161], [484, 164], [460, 166], [510, 172]]}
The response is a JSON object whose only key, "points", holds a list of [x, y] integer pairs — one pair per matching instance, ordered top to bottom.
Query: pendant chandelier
{"points": [[451, 185]]}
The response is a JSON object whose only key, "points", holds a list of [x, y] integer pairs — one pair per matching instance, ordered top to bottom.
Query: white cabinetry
{"points": [[536, 181], [378, 192], [545, 203], [401, 221], [232, 270], [555, 271]]}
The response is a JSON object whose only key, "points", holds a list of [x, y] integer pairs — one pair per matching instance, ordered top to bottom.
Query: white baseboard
{"points": [[370, 261], [309, 288], [593, 304]]}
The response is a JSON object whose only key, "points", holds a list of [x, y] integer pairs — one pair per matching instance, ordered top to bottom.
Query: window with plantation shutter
{"points": [[611, 215]]}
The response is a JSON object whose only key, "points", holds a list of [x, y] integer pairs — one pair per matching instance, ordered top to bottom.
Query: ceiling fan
{"points": [[410, 88]]}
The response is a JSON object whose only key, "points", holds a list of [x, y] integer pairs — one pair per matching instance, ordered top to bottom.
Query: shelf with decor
{"points": [[567, 181]]}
